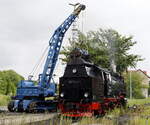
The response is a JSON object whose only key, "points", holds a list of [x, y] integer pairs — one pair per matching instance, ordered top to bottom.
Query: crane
{"points": [[32, 98]]}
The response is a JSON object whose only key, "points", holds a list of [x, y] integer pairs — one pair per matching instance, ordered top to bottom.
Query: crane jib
{"points": [[54, 48]]}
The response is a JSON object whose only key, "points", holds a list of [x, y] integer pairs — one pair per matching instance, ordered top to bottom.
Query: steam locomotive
{"points": [[88, 90]]}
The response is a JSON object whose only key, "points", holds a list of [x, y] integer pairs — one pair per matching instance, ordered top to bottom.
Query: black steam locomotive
{"points": [[87, 90]]}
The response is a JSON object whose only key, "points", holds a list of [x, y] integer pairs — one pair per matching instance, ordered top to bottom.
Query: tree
{"points": [[105, 46], [136, 81], [8, 82]]}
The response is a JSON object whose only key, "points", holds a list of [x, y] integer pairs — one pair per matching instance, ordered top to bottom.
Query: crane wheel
{"points": [[11, 106], [20, 106], [32, 108]]}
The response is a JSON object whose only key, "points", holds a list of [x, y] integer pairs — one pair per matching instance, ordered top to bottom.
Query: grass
{"points": [[138, 101], [135, 118], [139, 121]]}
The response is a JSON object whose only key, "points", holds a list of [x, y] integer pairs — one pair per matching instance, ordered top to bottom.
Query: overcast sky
{"points": [[27, 25]]}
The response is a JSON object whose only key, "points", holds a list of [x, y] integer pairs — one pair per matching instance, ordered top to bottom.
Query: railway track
{"points": [[10, 118], [16, 118], [20, 118]]}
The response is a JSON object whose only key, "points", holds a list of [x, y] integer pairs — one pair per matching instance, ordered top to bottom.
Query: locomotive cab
{"points": [[81, 80]]}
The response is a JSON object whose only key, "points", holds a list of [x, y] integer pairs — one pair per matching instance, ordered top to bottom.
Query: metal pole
{"points": [[74, 27], [130, 85]]}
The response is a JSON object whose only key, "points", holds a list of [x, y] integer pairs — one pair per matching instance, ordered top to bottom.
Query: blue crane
{"points": [[32, 98]]}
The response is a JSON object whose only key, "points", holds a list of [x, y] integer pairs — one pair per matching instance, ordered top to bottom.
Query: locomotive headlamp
{"points": [[74, 70], [86, 94], [62, 95]]}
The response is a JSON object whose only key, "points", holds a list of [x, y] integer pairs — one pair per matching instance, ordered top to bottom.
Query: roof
{"points": [[144, 72]]}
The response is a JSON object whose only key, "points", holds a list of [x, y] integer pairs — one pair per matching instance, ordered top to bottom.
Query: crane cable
{"points": [[42, 61], [39, 63]]}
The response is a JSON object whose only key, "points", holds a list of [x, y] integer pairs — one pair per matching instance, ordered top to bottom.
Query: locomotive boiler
{"points": [[86, 89]]}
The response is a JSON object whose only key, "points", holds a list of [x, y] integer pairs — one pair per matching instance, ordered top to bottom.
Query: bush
{"points": [[4, 100]]}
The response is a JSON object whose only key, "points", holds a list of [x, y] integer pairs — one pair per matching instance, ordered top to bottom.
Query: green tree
{"points": [[105, 45], [8, 82], [136, 82]]}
